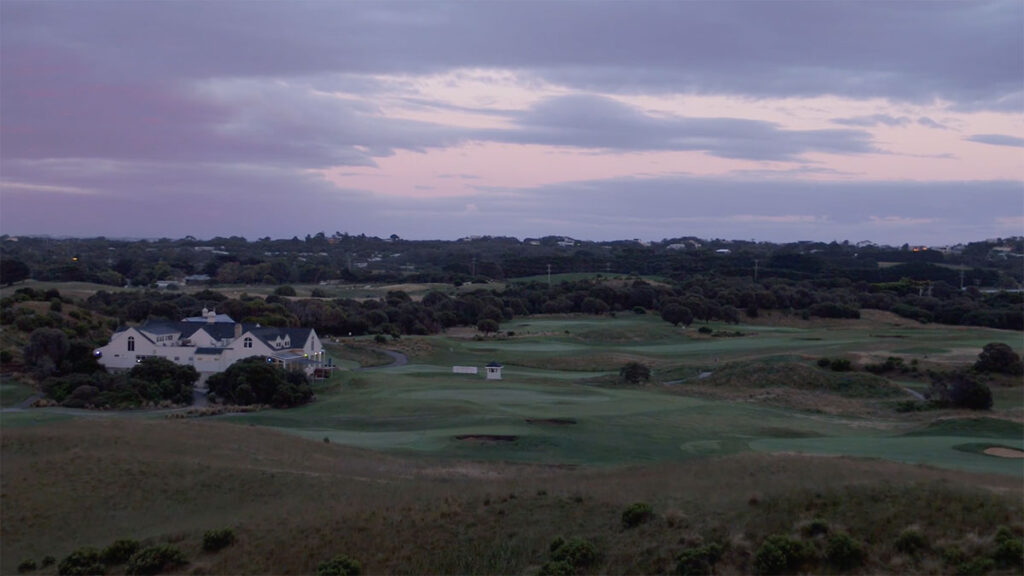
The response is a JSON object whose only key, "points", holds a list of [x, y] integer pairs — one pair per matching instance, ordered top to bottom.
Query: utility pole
{"points": [[549, 275]]}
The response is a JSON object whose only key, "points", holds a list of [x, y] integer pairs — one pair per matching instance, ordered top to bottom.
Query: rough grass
{"points": [[803, 377], [294, 503]]}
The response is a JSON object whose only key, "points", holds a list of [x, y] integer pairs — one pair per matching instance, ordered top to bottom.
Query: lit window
{"points": [[131, 343], [247, 343]]}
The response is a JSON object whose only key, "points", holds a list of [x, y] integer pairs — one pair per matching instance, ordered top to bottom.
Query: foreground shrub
{"points": [[959, 390], [636, 514], [214, 540], [910, 541], [119, 552], [577, 552], [1009, 552], [844, 553], [781, 554], [155, 559], [698, 561], [81, 562], [26, 566], [339, 566]]}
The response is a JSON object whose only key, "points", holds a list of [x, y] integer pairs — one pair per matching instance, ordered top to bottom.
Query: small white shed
{"points": [[493, 371]]}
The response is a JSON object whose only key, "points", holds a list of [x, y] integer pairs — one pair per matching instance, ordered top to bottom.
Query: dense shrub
{"points": [[284, 291], [832, 310], [705, 330], [1000, 358], [824, 362], [840, 365], [634, 373], [164, 380], [253, 380], [959, 390], [636, 514], [816, 527], [214, 540], [910, 541], [119, 551], [577, 552], [1009, 552], [844, 553], [780, 554], [155, 559], [698, 561], [81, 562], [26, 566], [339, 566]]}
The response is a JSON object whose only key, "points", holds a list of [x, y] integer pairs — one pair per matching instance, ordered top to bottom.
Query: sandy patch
{"points": [[1000, 452]]}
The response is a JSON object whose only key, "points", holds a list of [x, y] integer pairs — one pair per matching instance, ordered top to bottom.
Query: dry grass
{"points": [[293, 502]]}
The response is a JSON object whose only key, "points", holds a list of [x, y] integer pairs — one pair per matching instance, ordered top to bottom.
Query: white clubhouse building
{"points": [[211, 343]]}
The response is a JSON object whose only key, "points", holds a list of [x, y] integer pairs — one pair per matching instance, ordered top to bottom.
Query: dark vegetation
{"points": [[830, 280], [255, 381]]}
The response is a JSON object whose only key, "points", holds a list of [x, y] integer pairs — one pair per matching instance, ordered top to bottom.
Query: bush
{"points": [[284, 291], [705, 330], [380, 339], [1000, 358], [824, 362], [841, 365], [634, 372], [253, 380], [959, 390], [636, 515], [816, 527], [214, 540], [910, 541], [119, 552], [576, 552], [1009, 552], [844, 553], [780, 554], [155, 559], [48, 561], [698, 561], [81, 562], [26, 566], [339, 566], [977, 566]]}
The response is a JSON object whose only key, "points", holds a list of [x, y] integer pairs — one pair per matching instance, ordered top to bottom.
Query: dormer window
{"points": [[131, 343], [247, 343]]}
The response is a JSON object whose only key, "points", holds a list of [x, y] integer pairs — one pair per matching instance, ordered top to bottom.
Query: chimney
{"points": [[211, 316], [238, 330]]}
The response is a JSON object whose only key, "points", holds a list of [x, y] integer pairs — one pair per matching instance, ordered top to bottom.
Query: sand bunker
{"points": [[1000, 452]]}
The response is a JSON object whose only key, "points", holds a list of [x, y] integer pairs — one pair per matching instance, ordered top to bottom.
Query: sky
{"points": [[895, 122]]}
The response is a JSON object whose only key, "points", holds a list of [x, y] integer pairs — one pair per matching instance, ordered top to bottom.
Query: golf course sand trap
{"points": [[488, 437], [1001, 452]]}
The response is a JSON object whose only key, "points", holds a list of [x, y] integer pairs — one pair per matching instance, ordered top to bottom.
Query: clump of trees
{"points": [[999, 358], [634, 373], [254, 380], [153, 381], [959, 389]]}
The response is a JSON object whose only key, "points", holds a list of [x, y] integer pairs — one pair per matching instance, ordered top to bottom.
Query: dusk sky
{"points": [[778, 120]]}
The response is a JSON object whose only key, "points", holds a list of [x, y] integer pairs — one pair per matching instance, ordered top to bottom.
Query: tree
{"points": [[12, 271], [677, 314], [487, 326], [46, 349], [999, 357], [634, 373], [164, 380], [253, 380], [960, 390]]}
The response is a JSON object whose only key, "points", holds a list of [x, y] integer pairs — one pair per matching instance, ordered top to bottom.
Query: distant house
{"points": [[211, 343]]}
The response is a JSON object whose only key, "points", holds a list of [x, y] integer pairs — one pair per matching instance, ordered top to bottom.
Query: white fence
{"points": [[464, 370]]}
